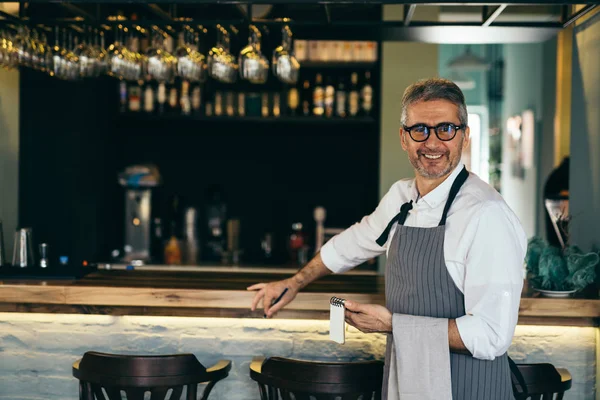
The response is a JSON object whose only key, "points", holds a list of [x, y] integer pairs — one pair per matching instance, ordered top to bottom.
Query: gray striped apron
{"points": [[417, 282]]}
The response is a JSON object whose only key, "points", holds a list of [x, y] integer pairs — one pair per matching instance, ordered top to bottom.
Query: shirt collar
{"points": [[440, 193]]}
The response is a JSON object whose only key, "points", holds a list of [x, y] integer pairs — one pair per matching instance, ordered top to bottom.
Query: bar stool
{"points": [[108, 376], [322, 380], [539, 381]]}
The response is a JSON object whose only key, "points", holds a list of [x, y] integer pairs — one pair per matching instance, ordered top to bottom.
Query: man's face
{"points": [[434, 158]]}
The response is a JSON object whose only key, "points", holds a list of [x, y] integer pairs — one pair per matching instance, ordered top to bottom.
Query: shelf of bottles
{"points": [[336, 84]]}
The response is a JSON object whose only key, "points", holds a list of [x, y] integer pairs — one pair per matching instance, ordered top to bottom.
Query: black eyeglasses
{"points": [[444, 131]]}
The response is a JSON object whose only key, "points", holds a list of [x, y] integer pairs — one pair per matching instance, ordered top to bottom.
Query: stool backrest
{"points": [[109, 376], [280, 378], [540, 382]]}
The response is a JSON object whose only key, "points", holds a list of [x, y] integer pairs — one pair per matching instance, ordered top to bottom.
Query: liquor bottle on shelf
{"points": [[366, 95], [122, 96], [318, 96], [353, 96], [135, 97], [161, 97], [306, 98], [329, 98], [184, 99], [340, 99], [173, 100], [197, 100], [293, 100], [218, 103], [229, 104], [241, 104], [264, 104], [276, 104], [149, 106], [216, 217]]}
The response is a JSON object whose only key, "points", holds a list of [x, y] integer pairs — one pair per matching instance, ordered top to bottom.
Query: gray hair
{"points": [[435, 89]]}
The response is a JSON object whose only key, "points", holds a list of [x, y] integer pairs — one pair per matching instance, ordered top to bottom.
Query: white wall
{"points": [[523, 90], [9, 154]]}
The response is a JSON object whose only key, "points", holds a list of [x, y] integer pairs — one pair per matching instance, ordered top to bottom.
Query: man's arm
{"points": [[268, 292], [371, 318]]}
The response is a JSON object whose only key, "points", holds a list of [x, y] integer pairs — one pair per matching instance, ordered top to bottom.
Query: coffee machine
{"points": [[139, 181]]}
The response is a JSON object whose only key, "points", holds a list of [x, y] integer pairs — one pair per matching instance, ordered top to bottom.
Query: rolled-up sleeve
{"points": [[357, 244], [493, 281]]}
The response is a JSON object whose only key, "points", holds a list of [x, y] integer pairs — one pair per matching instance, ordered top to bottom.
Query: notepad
{"points": [[337, 323]]}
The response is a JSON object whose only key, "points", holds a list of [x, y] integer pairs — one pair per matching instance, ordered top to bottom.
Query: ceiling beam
{"points": [[78, 11], [409, 11], [159, 12], [579, 14], [9, 17], [492, 17]]}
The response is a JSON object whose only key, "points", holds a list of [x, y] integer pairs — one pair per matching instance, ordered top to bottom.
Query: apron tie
{"points": [[401, 216]]}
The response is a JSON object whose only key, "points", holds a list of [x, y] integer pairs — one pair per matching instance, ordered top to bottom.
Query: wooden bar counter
{"points": [[221, 292]]}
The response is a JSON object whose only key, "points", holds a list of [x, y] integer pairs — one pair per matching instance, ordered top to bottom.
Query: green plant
{"points": [[552, 268]]}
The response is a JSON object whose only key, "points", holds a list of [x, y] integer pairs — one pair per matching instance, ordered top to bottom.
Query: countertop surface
{"points": [[222, 293]]}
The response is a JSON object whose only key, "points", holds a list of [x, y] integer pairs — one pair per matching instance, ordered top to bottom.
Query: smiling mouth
{"points": [[432, 156]]}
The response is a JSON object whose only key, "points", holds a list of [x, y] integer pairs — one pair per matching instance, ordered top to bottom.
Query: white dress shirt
{"points": [[484, 250]]}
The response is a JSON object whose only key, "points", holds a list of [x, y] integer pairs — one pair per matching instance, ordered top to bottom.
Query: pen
{"points": [[278, 299]]}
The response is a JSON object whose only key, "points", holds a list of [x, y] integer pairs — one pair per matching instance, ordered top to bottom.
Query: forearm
{"points": [[312, 271], [454, 340]]}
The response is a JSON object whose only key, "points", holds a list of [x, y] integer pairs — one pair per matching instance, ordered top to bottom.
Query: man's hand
{"points": [[269, 292], [368, 318]]}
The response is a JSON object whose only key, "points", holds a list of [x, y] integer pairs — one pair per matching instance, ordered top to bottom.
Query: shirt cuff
{"points": [[332, 259], [470, 330]]}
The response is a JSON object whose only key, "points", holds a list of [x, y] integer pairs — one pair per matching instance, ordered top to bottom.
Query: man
{"points": [[455, 251]]}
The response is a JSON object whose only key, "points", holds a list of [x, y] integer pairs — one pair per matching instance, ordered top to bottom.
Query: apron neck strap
{"points": [[456, 185], [400, 217]]}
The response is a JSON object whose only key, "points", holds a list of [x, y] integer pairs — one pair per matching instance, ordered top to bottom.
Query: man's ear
{"points": [[403, 134], [467, 138]]}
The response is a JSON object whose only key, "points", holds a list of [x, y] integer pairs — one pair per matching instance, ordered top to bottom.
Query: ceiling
{"points": [[465, 22]]}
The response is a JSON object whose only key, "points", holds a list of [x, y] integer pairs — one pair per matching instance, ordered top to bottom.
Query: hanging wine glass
{"points": [[160, 65], [222, 65], [285, 65], [254, 66]]}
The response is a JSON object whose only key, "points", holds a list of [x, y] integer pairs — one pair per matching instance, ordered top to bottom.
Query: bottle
{"points": [[135, 94], [366, 95], [122, 96], [318, 96], [161, 97], [353, 97], [306, 98], [329, 98], [149, 99], [340, 99], [184, 100], [197, 100], [293, 101], [173, 103], [218, 103], [229, 104], [241, 104], [264, 104], [276, 104], [216, 217], [157, 245], [297, 245], [266, 246], [173, 251]]}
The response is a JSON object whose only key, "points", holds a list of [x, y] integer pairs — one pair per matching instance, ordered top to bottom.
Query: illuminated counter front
{"points": [[44, 327]]}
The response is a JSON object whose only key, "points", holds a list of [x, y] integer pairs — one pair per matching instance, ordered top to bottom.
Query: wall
{"points": [[403, 63], [525, 89], [9, 155], [584, 177], [37, 350]]}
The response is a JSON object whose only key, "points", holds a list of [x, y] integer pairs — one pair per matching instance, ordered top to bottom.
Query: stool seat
{"points": [[104, 376]]}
